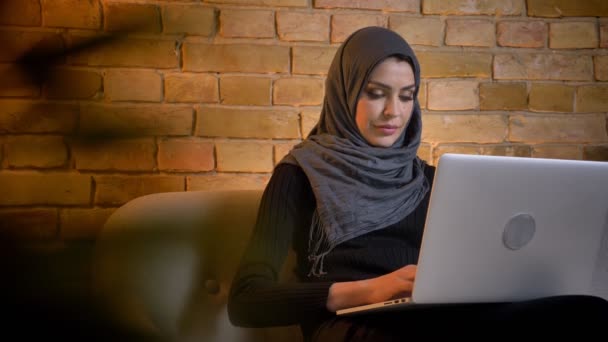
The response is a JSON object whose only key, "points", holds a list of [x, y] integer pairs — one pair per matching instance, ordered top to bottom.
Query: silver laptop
{"points": [[504, 229]]}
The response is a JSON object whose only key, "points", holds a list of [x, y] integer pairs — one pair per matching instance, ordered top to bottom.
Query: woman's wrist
{"points": [[351, 293]]}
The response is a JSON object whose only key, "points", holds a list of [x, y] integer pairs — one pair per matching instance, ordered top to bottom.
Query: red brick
{"points": [[283, 3], [412, 6], [468, 7], [567, 8], [20, 12], [71, 13], [128, 16], [190, 19], [247, 23], [342, 25], [295, 26], [418, 31], [470, 32], [524, 34], [604, 34], [573, 35], [16, 43], [145, 53], [235, 58], [313, 60], [455, 64], [600, 64], [543, 67], [16, 83], [73, 84], [133, 85], [181, 87], [245, 90], [298, 91], [422, 95], [453, 95], [503, 96], [551, 97], [592, 98], [37, 117], [310, 117], [115, 121], [247, 123], [483, 128], [558, 128], [442, 149], [281, 150], [507, 150], [35, 151], [572, 152], [425, 153], [597, 153], [112, 154], [192, 155], [244, 156], [227, 181], [33, 188], [117, 190], [28, 224], [83, 224]]}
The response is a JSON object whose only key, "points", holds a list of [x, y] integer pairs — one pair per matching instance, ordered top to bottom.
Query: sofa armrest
{"points": [[164, 262]]}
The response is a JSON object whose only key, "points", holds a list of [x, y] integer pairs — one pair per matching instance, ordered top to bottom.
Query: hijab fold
{"points": [[358, 188]]}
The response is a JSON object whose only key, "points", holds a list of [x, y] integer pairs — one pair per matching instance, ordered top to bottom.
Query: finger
{"points": [[405, 290]]}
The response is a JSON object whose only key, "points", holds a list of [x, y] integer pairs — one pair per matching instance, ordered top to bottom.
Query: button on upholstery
{"points": [[212, 286]]}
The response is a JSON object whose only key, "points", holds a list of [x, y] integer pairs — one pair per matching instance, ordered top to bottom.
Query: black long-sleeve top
{"points": [[258, 299]]}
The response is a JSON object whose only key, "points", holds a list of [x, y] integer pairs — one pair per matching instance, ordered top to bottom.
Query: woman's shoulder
{"points": [[287, 170], [288, 178], [288, 187]]}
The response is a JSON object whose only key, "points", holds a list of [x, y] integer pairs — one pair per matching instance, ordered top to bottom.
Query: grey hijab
{"points": [[358, 188]]}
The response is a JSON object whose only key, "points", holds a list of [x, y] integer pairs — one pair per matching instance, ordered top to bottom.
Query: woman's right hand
{"points": [[396, 284]]}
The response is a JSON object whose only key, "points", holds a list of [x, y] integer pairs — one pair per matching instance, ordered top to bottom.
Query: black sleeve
{"points": [[429, 173], [257, 298]]}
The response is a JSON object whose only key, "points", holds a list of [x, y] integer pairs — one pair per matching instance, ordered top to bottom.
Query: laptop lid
{"points": [[503, 229]]}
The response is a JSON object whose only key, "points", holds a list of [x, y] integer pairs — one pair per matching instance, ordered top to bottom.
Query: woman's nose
{"points": [[392, 106]]}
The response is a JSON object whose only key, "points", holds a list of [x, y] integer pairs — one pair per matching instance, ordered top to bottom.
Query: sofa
{"points": [[163, 265]]}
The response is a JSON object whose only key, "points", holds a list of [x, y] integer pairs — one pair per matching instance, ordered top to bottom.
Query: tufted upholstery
{"points": [[164, 262]]}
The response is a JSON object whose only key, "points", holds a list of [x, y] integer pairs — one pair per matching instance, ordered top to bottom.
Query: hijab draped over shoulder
{"points": [[358, 188]]}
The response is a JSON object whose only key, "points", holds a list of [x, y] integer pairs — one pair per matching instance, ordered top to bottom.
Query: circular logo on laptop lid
{"points": [[518, 231]]}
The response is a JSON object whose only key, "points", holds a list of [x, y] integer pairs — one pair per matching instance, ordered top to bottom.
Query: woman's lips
{"points": [[387, 129]]}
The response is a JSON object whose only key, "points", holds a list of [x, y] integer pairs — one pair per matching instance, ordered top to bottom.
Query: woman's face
{"points": [[386, 102]]}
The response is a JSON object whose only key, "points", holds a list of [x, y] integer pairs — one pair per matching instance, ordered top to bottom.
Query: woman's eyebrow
{"points": [[380, 84]]}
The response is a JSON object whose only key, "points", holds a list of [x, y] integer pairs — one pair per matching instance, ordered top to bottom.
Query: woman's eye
{"points": [[374, 93], [406, 98]]}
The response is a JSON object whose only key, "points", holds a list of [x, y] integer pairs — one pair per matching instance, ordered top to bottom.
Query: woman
{"points": [[351, 201]]}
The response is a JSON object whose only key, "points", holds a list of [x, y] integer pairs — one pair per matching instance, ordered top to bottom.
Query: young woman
{"points": [[351, 201]]}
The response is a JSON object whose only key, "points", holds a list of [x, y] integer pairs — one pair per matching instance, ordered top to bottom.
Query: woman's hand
{"points": [[396, 284]]}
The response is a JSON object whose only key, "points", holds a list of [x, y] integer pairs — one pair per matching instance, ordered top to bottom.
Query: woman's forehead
{"points": [[394, 72]]}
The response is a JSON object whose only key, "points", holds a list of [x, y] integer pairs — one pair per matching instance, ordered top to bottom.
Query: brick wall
{"points": [[210, 94]]}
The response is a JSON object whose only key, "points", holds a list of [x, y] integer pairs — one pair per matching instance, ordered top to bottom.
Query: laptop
{"points": [[505, 229]]}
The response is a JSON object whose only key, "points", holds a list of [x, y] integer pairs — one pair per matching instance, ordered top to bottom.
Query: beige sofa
{"points": [[163, 265]]}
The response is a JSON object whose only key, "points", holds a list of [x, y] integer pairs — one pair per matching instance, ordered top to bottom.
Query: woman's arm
{"points": [[361, 292], [256, 298]]}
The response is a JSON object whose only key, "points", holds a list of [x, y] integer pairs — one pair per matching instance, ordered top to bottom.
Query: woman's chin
{"points": [[386, 141]]}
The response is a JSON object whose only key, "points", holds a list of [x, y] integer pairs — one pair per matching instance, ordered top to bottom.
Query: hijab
{"points": [[359, 188]]}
